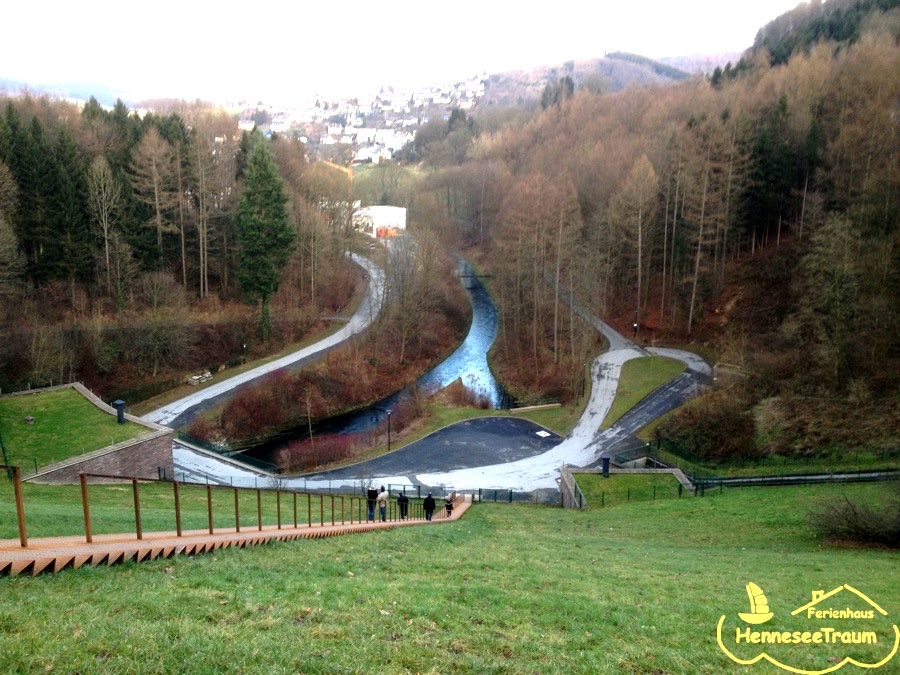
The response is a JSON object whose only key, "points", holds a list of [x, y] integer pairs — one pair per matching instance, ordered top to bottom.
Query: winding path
{"points": [[184, 410], [519, 467]]}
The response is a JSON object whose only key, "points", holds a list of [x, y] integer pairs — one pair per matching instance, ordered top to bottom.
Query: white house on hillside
{"points": [[381, 221]]}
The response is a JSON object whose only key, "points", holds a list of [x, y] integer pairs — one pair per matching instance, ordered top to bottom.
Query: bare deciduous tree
{"points": [[105, 199]]}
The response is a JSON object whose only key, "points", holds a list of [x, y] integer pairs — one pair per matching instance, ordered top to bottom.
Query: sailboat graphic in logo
{"points": [[759, 606]]}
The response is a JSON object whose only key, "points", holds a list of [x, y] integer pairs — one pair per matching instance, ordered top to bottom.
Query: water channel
{"points": [[468, 363]]}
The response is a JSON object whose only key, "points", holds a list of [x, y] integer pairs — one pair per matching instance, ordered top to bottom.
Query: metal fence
{"points": [[825, 461], [706, 483], [360, 485], [635, 494]]}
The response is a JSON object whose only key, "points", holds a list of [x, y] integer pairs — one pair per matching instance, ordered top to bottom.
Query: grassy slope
{"points": [[638, 379], [65, 425], [621, 488], [636, 588]]}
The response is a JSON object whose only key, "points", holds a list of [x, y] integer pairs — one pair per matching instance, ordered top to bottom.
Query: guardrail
{"points": [[356, 505], [290, 510]]}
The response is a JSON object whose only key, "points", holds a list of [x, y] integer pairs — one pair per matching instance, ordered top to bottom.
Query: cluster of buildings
{"points": [[375, 128]]}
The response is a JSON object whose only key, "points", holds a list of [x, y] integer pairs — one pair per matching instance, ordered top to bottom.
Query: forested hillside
{"points": [[753, 216], [125, 260]]}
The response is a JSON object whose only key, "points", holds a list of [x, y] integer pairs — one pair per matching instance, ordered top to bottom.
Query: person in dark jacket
{"points": [[371, 496], [403, 503], [428, 506], [449, 506]]}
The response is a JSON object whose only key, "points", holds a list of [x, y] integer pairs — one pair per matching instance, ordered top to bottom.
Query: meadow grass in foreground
{"points": [[65, 425], [635, 588]]}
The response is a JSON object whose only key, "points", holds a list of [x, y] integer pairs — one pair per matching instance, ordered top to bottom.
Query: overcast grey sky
{"points": [[285, 51]]}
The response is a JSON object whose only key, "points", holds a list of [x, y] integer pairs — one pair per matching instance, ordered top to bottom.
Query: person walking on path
{"points": [[371, 496], [383, 497], [403, 503], [428, 506], [449, 506]]}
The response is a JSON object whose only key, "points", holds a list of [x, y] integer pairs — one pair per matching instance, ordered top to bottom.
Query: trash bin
{"points": [[120, 410]]}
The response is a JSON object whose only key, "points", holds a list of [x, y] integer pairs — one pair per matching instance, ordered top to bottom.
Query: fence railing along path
{"points": [[346, 514]]}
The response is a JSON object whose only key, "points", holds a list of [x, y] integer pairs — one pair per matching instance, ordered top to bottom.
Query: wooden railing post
{"points": [[20, 504], [278, 507], [86, 508], [177, 508], [259, 508], [209, 509], [309, 509], [237, 511], [138, 528]]}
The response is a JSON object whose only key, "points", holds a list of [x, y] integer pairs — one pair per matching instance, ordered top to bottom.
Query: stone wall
{"points": [[143, 457]]}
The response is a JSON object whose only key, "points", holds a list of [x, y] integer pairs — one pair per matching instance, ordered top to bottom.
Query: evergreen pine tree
{"points": [[265, 232]]}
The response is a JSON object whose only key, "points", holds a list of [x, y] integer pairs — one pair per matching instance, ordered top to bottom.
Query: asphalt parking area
{"points": [[479, 442]]}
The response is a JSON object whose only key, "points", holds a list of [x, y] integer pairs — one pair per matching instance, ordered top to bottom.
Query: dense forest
{"points": [[751, 216], [125, 262]]}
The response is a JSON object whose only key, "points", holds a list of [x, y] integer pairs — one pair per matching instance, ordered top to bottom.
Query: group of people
{"points": [[381, 498]]}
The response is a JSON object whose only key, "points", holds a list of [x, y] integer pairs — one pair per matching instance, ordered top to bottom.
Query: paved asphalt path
{"points": [[183, 411], [473, 443], [501, 452]]}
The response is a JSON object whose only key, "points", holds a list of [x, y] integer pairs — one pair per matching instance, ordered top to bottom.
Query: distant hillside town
{"points": [[374, 128]]}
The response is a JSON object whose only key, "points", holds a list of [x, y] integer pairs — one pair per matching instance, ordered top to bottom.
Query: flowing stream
{"points": [[468, 363]]}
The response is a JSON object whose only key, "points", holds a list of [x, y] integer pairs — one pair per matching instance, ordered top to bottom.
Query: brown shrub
{"points": [[258, 410], [715, 426], [316, 452], [861, 522]]}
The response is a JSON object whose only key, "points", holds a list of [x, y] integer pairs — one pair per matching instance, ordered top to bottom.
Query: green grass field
{"points": [[65, 425], [622, 488], [633, 588]]}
